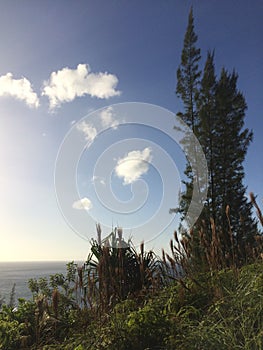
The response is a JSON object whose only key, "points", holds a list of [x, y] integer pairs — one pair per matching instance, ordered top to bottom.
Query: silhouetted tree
{"points": [[187, 89], [215, 112]]}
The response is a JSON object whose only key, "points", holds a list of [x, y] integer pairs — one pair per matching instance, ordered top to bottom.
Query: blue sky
{"points": [[60, 61]]}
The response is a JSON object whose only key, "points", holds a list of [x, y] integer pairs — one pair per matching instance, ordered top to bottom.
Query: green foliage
{"points": [[188, 75], [187, 89], [215, 109], [232, 141], [114, 271], [56, 305], [65, 305], [214, 310], [219, 311], [232, 317], [45, 319], [17, 325], [146, 327], [9, 334], [79, 347]]}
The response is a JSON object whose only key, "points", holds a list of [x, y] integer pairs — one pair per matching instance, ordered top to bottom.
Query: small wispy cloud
{"points": [[67, 84], [20, 89], [107, 119], [88, 130], [134, 165], [99, 179], [82, 204]]}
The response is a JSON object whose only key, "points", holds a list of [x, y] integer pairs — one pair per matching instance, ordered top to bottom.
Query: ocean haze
{"points": [[19, 273]]}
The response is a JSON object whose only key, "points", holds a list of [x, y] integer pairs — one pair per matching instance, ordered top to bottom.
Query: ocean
{"points": [[20, 272]]}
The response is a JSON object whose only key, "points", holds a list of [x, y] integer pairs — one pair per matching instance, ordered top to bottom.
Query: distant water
{"points": [[20, 272]]}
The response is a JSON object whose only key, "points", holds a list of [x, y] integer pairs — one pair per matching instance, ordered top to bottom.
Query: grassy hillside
{"points": [[195, 297], [219, 311]]}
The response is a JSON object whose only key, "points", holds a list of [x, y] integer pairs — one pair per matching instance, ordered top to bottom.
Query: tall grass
{"points": [[204, 250], [114, 271], [198, 296]]}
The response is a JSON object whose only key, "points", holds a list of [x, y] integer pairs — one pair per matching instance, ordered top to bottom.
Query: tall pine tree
{"points": [[188, 75], [187, 89], [215, 112], [206, 133], [231, 141]]}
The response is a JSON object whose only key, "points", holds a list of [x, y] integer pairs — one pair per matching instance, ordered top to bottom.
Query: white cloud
{"points": [[67, 84], [18, 88], [107, 119], [88, 130], [134, 165], [99, 179], [82, 204]]}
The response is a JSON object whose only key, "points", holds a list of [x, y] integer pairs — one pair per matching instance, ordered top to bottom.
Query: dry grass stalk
{"points": [[259, 213], [214, 249], [118, 272], [55, 302]]}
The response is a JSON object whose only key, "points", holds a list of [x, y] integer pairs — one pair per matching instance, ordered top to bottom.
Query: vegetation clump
{"points": [[173, 304]]}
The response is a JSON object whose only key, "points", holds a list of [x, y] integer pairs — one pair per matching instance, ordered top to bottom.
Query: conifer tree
{"points": [[188, 75], [187, 89], [215, 112], [207, 133], [231, 142]]}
